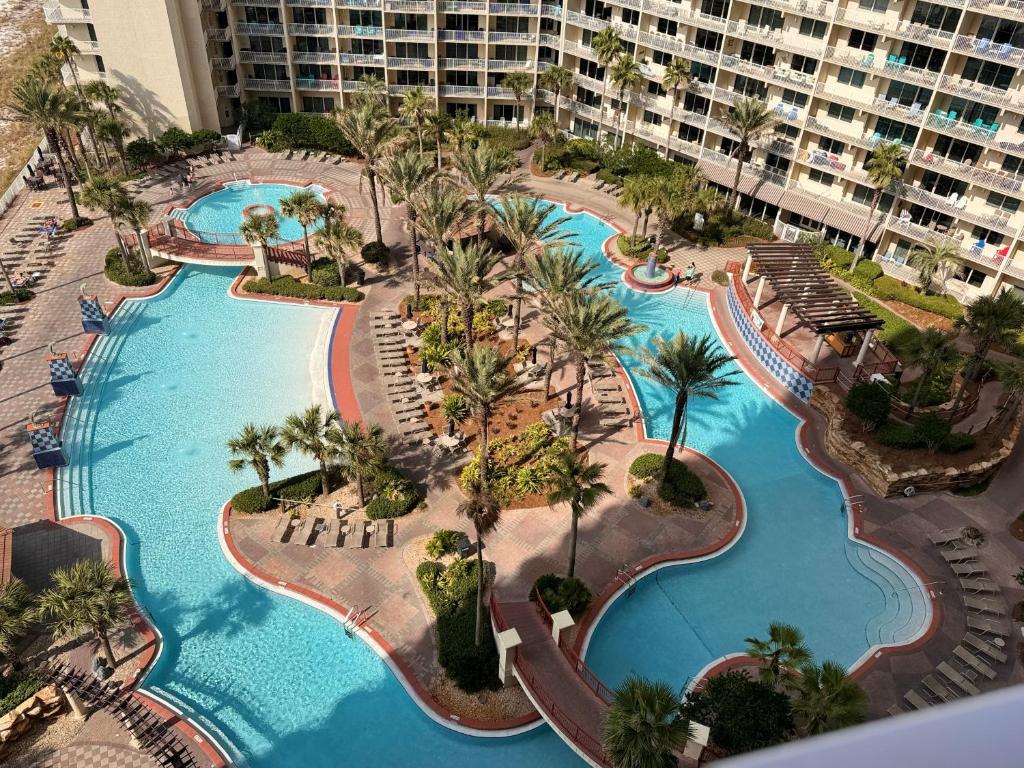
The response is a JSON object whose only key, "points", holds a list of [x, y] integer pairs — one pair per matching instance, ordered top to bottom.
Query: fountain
{"points": [[649, 276]]}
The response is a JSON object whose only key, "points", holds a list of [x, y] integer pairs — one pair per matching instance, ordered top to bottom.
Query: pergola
{"points": [[809, 292]]}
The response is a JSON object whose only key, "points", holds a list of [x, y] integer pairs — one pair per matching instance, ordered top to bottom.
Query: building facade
{"points": [[943, 78]]}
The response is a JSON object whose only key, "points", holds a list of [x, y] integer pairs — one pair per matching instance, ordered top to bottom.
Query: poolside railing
{"points": [[542, 608], [586, 674]]}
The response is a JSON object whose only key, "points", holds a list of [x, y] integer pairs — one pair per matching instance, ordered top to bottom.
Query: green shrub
{"points": [[300, 130], [205, 136], [506, 138], [175, 140], [272, 141], [141, 153], [585, 167], [609, 177], [70, 225], [722, 228], [633, 247], [375, 253], [661, 255], [836, 257], [115, 271], [869, 271], [325, 273], [720, 277], [886, 287], [292, 288], [891, 289], [15, 296], [897, 334], [870, 403], [929, 430], [932, 430], [896, 435], [957, 442], [520, 464], [647, 466], [302, 487], [682, 488], [396, 495], [443, 542], [451, 593], [562, 593], [17, 687], [743, 714]]}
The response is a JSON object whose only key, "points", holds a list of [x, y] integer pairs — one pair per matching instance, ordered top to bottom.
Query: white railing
{"points": [[551, 11], [55, 13], [259, 29], [311, 29], [348, 31], [392, 33], [459, 34], [525, 37], [1004, 53], [261, 57], [318, 57], [363, 58], [394, 61], [223, 63], [461, 63], [506, 64], [261, 84], [316, 84], [462, 90], [232, 91], [998, 180], [7, 198]]}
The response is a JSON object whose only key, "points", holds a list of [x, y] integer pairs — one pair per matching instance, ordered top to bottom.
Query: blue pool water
{"points": [[215, 217], [280, 680]]}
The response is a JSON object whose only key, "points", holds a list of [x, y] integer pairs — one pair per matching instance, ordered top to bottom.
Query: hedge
{"points": [[299, 130], [142, 152], [609, 177], [633, 248], [375, 252], [115, 271], [869, 271], [325, 273], [289, 286], [891, 289], [15, 296], [898, 334], [870, 403], [930, 431], [646, 466], [296, 488], [682, 488], [396, 495], [451, 592], [562, 593], [17, 687]]}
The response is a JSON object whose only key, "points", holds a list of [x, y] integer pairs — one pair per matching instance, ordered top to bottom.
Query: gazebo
{"points": [[810, 293]]}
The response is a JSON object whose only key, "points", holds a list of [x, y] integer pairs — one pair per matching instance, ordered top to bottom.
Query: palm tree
{"points": [[607, 46], [64, 50], [678, 74], [625, 76], [558, 80], [520, 83], [373, 90], [49, 110], [414, 110], [750, 120], [439, 123], [545, 130], [112, 131], [371, 131], [463, 132], [480, 167], [884, 170], [405, 173], [681, 191], [639, 193], [110, 196], [305, 207], [135, 215], [527, 223], [260, 229], [337, 238], [935, 260], [464, 273], [990, 320], [591, 325], [932, 351], [691, 367], [481, 376], [1011, 376], [454, 410], [309, 432], [259, 448], [362, 451], [579, 485], [484, 512], [86, 596], [16, 614], [780, 654], [828, 699], [644, 725]]}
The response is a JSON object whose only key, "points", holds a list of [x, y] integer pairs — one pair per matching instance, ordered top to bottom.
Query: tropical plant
{"points": [[607, 46], [65, 50], [678, 74], [625, 75], [558, 80], [520, 83], [373, 90], [414, 109], [750, 120], [439, 123], [545, 130], [113, 131], [371, 131], [463, 132], [479, 168], [884, 170], [405, 174], [678, 192], [639, 194], [110, 196], [305, 207], [260, 229], [337, 238], [935, 260], [463, 272], [989, 320], [932, 351], [690, 367], [1011, 376], [454, 410], [309, 433], [260, 448], [362, 451], [578, 484], [484, 512], [86, 596], [16, 614], [780, 654], [827, 698], [743, 714], [644, 725]]}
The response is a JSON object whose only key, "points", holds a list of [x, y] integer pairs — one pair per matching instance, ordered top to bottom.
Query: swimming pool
{"points": [[215, 217], [278, 680]]}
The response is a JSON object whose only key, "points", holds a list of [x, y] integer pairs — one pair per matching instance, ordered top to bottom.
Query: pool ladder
{"points": [[624, 576], [354, 620]]}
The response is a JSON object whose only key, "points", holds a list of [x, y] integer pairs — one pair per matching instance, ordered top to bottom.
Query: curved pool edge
{"points": [[403, 673]]}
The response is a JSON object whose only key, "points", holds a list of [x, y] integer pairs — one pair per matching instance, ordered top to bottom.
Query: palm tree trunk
{"points": [[604, 98], [558, 110], [671, 119], [419, 133], [54, 142], [439, 150], [72, 154], [124, 158], [371, 176], [734, 194], [647, 219], [483, 221], [636, 224], [305, 247], [859, 251], [415, 256], [518, 314], [467, 319], [444, 320], [552, 345], [980, 353], [917, 393], [578, 414], [678, 416], [485, 427], [323, 478], [265, 485], [360, 488], [573, 533], [479, 589], [104, 639]]}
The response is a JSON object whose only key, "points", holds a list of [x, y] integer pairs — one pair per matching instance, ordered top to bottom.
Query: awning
{"points": [[804, 205]]}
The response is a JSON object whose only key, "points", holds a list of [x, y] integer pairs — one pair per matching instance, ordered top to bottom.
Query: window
{"points": [[874, 5], [719, 8], [597, 10], [262, 15], [309, 15], [629, 16], [936, 16], [764, 17], [364, 18], [461, 22], [511, 24], [667, 27], [813, 27], [1002, 30], [91, 31], [709, 41], [865, 41], [262, 44], [311, 44], [411, 50], [461, 51], [510, 52], [757, 53], [922, 56], [660, 57], [804, 64], [100, 66], [589, 68], [269, 72], [314, 72], [705, 73], [988, 73], [413, 77], [460, 77], [851, 77], [750, 87], [654, 88], [907, 94], [587, 97], [795, 98], [692, 102], [275, 104], [319, 104], [457, 109], [507, 112], [839, 112], [652, 118], [585, 128], [894, 130], [787, 131], [689, 132], [833, 146], [957, 150], [777, 163], [1013, 164], [827, 179], [865, 196], [1003, 203], [988, 235], [971, 276]]}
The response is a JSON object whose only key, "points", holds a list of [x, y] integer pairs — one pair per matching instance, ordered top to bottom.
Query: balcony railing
{"points": [[257, 3], [310, 3], [358, 3], [215, 6], [422, 6], [474, 6], [513, 9], [551, 11], [55, 13], [246, 28], [311, 29], [345, 31], [390, 33], [458, 34], [218, 35], [524, 37], [550, 41], [1003, 53], [259, 57], [315, 57], [373, 59], [858, 60], [222, 62], [407, 63], [461, 63], [503, 65], [259, 84], [316, 84], [398, 90], [462, 90], [231, 91], [979, 92], [500, 93], [913, 114], [974, 133], [864, 140], [997, 180], [924, 234]]}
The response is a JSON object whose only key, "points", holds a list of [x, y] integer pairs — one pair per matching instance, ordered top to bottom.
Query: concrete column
{"points": [[147, 254], [260, 261], [746, 267], [758, 292], [780, 323], [864, 347], [817, 348], [560, 621], [507, 642], [77, 709]]}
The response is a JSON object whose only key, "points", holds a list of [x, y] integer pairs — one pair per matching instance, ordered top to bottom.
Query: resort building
{"points": [[943, 78]]}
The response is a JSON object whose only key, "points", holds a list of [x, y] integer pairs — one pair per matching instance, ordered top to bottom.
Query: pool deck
{"points": [[528, 544]]}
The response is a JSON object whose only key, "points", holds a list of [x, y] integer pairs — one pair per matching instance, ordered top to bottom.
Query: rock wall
{"points": [[886, 480], [46, 703]]}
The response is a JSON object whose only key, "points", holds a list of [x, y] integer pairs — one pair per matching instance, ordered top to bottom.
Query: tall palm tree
{"points": [[607, 46], [64, 50], [678, 74], [625, 76], [558, 80], [520, 83], [373, 90], [414, 109], [49, 110], [750, 120], [439, 123], [544, 129], [112, 131], [371, 131], [463, 132], [479, 168], [884, 170], [405, 173], [681, 191], [639, 194], [110, 196], [306, 208], [135, 215], [528, 223], [260, 229], [337, 238], [932, 260], [464, 273], [990, 320], [591, 325], [932, 351], [691, 367], [481, 375], [308, 432], [260, 448], [362, 451], [578, 484], [484, 512], [86, 596], [17, 606], [780, 654], [828, 699], [644, 725]]}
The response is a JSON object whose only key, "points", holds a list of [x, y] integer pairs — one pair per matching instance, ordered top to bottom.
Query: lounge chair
{"points": [[392, 363], [615, 423], [412, 428], [320, 525], [369, 527], [291, 530], [385, 533], [942, 538], [957, 555], [968, 568], [979, 585], [984, 605], [986, 626], [984, 647], [974, 662], [957, 679], [937, 689], [915, 700], [895, 710]]}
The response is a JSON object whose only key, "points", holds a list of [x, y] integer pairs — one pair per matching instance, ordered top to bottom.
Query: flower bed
{"points": [[292, 288], [521, 465], [682, 488]]}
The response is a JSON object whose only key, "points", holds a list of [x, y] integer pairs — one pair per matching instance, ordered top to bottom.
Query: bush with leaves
{"points": [[300, 130], [175, 141], [142, 153], [633, 247], [375, 253], [115, 271], [325, 272], [720, 277], [289, 286], [16, 296], [870, 402], [929, 431], [521, 464], [304, 487], [682, 488], [396, 495], [443, 542], [562, 593], [16, 687], [743, 714]]}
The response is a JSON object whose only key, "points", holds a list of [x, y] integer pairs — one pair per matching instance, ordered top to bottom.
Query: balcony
{"points": [[258, 3], [310, 3], [376, 4], [216, 6], [420, 6], [473, 6], [513, 9], [551, 11], [55, 13], [587, 22], [246, 28], [313, 30], [345, 31], [390, 33], [918, 33], [218, 35], [461, 35], [521, 37], [550, 41], [670, 44], [983, 48], [260, 57], [314, 57], [372, 59], [222, 62], [404, 63], [461, 63], [735, 63], [504, 65], [793, 79], [258, 84], [316, 84], [398, 90], [462, 90], [231, 91], [979, 92], [500, 93], [913, 114], [973, 133], [864, 141], [819, 158], [751, 169], [1001, 181], [924, 234]]}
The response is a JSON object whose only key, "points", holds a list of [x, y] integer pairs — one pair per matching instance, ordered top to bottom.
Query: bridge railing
{"points": [[586, 674]]}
